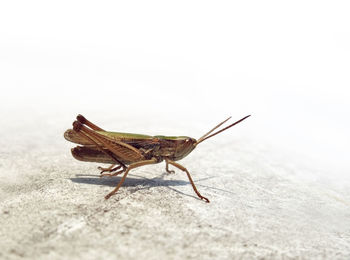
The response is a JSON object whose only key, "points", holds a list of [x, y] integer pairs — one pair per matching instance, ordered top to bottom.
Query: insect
{"points": [[126, 151]]}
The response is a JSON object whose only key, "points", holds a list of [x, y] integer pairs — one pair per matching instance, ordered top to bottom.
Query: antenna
{"points": [[204, 137]]}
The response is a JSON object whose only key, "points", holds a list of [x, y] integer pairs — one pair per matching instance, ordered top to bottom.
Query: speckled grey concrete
{"points": [[53, 207]]}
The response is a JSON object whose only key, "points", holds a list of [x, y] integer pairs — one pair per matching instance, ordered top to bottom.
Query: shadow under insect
{"points": [[133, 181]]}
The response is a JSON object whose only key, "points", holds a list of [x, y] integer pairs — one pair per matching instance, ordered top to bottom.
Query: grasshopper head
{"points": [[184, 146]]}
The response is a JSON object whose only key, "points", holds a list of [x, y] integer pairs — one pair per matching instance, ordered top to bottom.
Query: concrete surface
{"points": [[265, 204]]}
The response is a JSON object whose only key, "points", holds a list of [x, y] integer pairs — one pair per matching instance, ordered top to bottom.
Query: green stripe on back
{"points": [[124, 135], [139, 136], [171, 137]]}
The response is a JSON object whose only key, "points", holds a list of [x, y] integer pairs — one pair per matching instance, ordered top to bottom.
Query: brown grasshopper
{"points": [[126, 151]]}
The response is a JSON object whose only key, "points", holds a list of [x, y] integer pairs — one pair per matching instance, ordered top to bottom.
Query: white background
{"points": [[286, 63]]}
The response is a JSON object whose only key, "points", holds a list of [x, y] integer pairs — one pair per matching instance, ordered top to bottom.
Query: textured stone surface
{"points": [[264, 204]]}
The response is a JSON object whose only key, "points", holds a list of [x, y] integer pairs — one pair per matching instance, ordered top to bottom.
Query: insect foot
{"points": [[109, 169], [170, 171], [112, 174], [204, 198]]}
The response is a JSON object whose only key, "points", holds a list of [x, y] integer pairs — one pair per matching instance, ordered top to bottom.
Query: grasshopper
{"points": [[126, 151]]}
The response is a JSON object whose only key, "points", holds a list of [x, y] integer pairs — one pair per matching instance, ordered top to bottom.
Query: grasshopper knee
{"points": [[81, 119], [77, 126]]}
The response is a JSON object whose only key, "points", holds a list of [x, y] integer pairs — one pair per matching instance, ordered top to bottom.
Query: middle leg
{"points": [[167, 167]]}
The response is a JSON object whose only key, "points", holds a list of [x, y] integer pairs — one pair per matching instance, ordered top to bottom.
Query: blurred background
{"points": [[184, 64]]}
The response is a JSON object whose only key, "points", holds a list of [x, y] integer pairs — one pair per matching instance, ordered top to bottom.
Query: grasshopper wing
{"points": [[74, 137], [121, 150]]}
